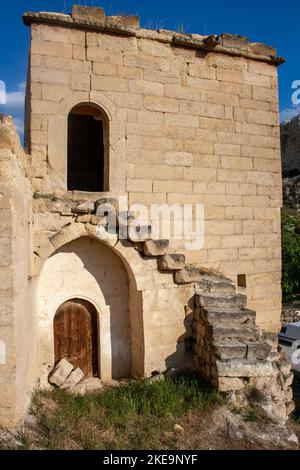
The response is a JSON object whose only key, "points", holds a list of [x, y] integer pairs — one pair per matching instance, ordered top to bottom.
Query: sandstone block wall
{"points": [[192, 119], [187, 125], [144, 318], [18, 333]]}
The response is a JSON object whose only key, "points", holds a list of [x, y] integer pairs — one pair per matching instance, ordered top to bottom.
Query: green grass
{"points": [[139, 415]]}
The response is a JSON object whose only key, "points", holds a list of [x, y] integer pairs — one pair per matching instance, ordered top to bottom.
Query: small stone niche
{"points": [[241, 280]]}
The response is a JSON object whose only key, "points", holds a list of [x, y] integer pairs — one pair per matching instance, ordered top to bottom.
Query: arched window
{"points": [[87, 149]]}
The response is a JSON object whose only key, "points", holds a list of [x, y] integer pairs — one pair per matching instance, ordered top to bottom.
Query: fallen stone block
{"points": [[60, 372], [156, 378], [73, 379], [112, 383], [93, 385], [78, 389]]}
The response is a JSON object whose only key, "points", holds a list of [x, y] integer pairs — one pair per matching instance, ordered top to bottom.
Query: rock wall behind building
{"points": [[290, 146], [18, 334]]}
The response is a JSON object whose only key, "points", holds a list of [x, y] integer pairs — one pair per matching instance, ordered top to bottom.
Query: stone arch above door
{"points": [[130, 257], [87, 269]]}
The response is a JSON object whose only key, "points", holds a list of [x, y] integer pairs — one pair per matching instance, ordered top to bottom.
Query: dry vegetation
{"points": [[173, 415]]}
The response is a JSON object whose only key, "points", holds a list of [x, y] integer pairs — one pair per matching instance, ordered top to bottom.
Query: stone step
{"points": [[141, 233], [156, 247], [171, 262], [187, 275], [200, 275], [212, 276], [206, 286], [219, 301], [221, 316], [243, 333], [230, 349], [258, 350], [245, 368]]}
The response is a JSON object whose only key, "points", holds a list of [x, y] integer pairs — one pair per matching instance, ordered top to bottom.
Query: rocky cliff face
{"points": [[290, 147], [291, 192]]}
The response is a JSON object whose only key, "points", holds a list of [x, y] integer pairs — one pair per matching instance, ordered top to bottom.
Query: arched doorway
{"points": [[87, 149], [85, 268], [76, 335]]}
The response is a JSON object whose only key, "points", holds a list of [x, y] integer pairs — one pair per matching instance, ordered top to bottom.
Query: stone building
{"points": [[161, 118]]}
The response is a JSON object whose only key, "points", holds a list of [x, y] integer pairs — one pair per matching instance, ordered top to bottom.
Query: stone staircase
{"points": [[225, 331], [230, 351]]}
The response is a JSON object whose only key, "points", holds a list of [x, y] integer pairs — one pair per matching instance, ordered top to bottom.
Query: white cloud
{"points": [[2, 92], [16, 99], [14, 106], [288, 113], [19, 123]]}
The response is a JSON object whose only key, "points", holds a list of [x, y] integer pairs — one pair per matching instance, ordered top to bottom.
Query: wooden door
{"points": [[75, 335]]}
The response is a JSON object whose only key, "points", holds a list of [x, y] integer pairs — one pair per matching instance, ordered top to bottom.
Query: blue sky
{"points": [[275, 23]]}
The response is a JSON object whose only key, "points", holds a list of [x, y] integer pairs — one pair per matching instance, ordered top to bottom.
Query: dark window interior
{"points": [[85, 153], [241, 280]]}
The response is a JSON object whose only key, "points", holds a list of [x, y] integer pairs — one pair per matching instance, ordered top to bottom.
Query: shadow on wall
{"points": [[183, 357]]}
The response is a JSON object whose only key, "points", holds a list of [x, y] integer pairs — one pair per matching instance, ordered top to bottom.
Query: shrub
{"points": [[290, 254]]}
